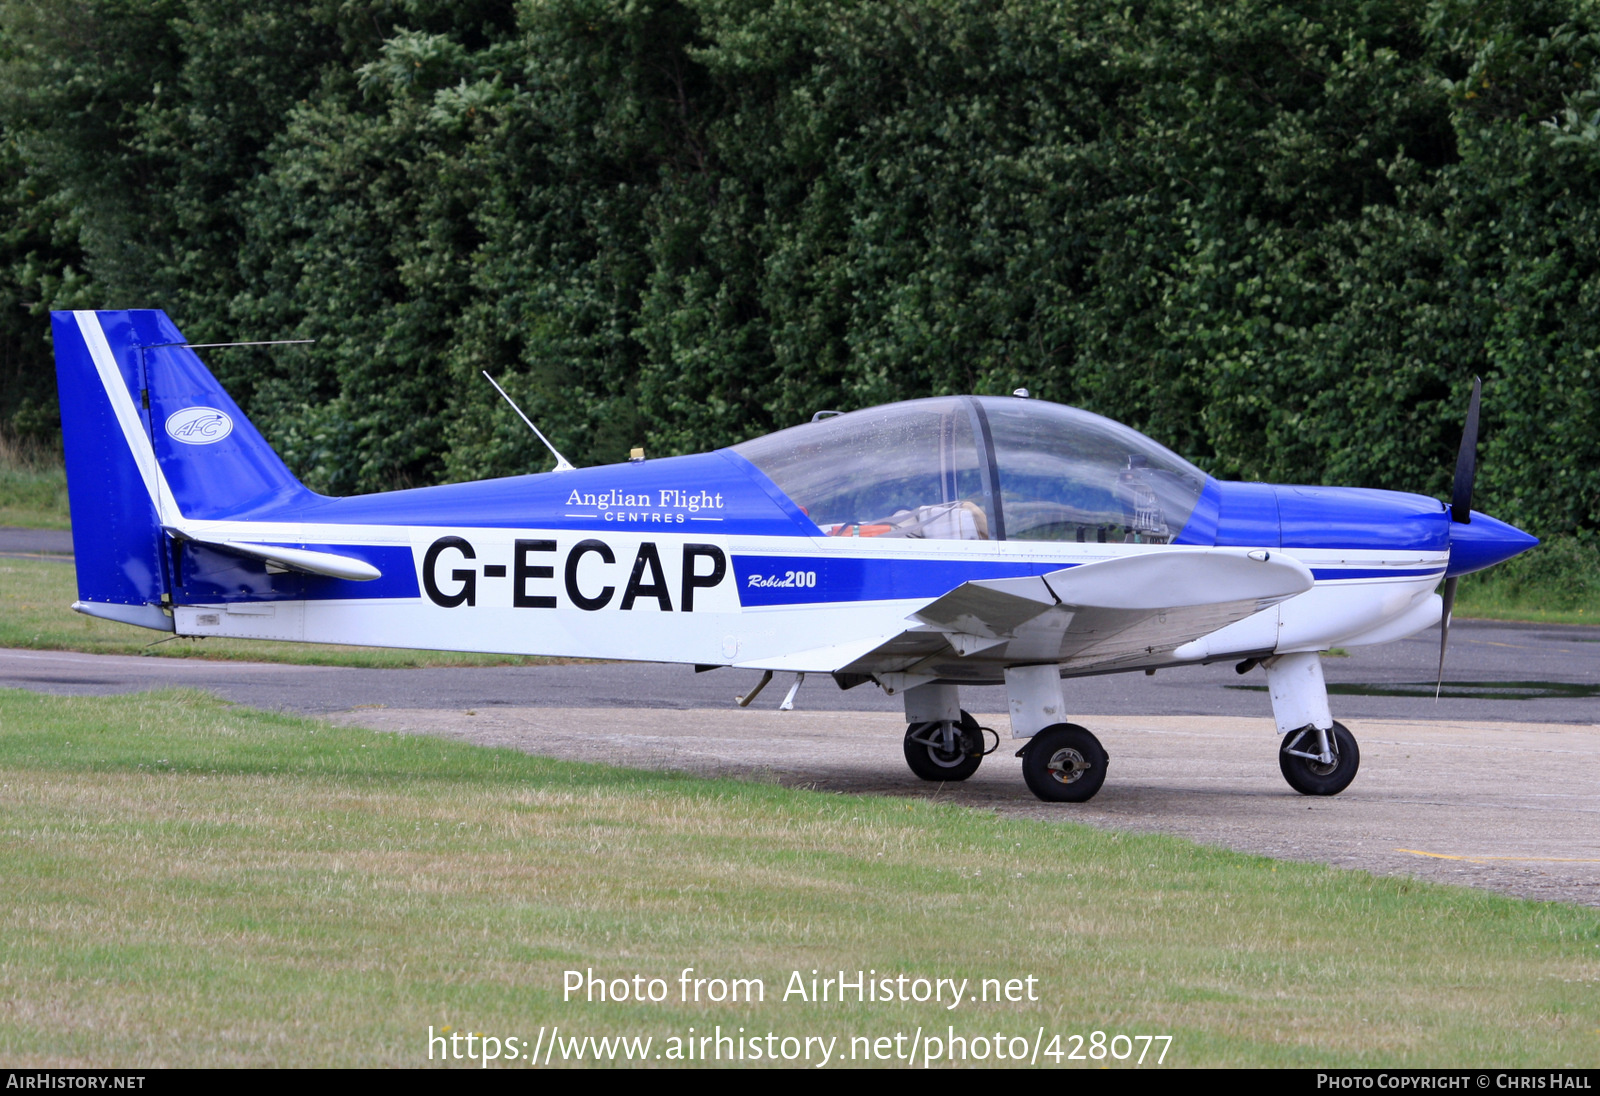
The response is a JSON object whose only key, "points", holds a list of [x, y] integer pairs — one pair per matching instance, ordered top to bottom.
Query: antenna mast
{"points": [[562, 463]]}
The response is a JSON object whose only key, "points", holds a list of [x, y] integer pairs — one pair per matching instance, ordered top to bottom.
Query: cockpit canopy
{"points": [[980, 468]]}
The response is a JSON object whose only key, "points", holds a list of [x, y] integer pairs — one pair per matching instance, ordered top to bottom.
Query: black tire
{"points": [[934, 762], [1064, 764], [1312, 778]]}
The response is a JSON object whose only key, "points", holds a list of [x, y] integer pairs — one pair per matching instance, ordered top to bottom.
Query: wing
{"points": [[1095, 615]]}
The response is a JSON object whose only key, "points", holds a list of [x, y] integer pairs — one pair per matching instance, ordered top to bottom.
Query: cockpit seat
{"points": [[964, 520]]}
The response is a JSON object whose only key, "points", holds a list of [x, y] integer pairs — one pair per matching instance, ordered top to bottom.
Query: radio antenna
{"points": [[268, 342], [213, 346], [562, 463]]}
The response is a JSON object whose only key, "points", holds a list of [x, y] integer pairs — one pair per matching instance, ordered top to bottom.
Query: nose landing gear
{"points": [[1314, 761], [1319, 762]]}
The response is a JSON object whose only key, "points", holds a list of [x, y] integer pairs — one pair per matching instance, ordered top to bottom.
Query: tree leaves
{"points": [[1280, 240]]}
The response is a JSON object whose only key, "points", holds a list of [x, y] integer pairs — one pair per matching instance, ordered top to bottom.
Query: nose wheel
{"points": [[944, 750], [1319, 762], [1064, 764]]}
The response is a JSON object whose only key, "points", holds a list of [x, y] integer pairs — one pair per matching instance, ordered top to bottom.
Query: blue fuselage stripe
{"points": [[1333, 574], [800, 580], [804, 580]]}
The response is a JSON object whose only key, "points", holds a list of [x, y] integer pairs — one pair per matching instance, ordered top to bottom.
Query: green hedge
{"points": [[1281, 240]]}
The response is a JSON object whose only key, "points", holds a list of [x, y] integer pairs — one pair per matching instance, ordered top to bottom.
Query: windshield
{"points": [[1067, 474]]}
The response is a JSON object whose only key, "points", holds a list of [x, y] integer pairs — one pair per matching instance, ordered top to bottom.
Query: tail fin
{"points": [[152, 442]]}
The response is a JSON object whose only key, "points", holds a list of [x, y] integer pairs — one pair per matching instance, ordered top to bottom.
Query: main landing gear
{"points": [[942, 741], [1061, 762], [1064, 764]]}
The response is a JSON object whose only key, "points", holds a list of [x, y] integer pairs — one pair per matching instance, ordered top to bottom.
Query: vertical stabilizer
{"points": [[152, 442]]}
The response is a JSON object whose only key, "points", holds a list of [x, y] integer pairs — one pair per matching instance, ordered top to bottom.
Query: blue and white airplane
{"points": [[919, 546]]}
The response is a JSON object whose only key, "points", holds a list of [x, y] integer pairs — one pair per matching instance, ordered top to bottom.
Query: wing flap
{"points": [[989, 607], [824, 659]]}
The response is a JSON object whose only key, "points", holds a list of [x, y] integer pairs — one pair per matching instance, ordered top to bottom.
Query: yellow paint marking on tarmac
{"points": [[1477, 859]]}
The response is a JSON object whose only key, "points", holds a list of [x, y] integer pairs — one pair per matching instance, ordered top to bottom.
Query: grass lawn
{"points": [[32, 496], [1556, 583], [191, 884]]}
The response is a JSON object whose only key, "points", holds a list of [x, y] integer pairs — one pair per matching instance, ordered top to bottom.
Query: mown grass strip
{"points": [[33, 489], [1556, 583], [191, 883]]}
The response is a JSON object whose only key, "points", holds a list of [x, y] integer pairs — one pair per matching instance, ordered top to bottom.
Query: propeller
{"points": [[1460, 513]]}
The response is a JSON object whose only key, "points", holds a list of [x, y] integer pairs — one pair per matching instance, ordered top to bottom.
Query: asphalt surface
{"points": [[35, 543], [1495, 672]]}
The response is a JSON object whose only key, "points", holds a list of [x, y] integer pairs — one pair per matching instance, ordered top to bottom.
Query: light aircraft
{"points": [[920, 546]]}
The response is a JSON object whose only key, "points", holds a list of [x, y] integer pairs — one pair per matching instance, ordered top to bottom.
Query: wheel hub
{"points": [[947, 745], [1321, 763], [1067, 765], [1323, 770]]}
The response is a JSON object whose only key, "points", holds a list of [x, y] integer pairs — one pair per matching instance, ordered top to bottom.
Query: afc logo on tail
{"points": [[199, 425]]}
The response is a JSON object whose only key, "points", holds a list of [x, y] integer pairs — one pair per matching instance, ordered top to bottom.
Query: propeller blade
{"points": [[1466, 462], [1460, 513], [1444, 630]]}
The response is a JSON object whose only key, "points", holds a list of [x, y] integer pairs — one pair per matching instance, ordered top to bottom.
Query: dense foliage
{"points": [[1280, 239]]}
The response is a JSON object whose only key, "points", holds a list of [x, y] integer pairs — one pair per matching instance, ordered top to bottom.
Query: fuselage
{"points": [[702, 559]]}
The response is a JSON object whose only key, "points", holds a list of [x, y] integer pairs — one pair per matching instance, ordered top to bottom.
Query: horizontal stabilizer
{"points": [[293, 559], [144, 616]]}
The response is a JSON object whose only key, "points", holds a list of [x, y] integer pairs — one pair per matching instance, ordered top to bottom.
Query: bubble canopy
{"points": [[980, 468]]}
